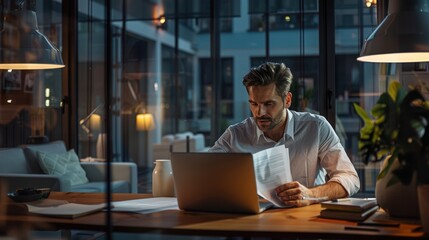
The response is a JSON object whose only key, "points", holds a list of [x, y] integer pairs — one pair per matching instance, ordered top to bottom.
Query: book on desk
{"points": [[353, 209]]}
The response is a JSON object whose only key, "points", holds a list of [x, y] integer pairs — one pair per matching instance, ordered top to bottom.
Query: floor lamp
{"points": [[145, 123], [91, 124]]}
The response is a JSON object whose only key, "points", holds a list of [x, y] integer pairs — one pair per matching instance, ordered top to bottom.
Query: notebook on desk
{"points": [[216, 182]]}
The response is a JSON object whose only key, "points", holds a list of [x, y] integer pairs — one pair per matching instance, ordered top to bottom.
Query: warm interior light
{"points": [[370, 3], [162, 20], [403, 36], [22, 45], [405, 57], [30, 66], [95, 122], [145, 122]]}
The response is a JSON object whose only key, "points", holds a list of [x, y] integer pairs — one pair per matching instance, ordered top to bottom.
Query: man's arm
{"points": [[336, 162], [295, 194]]}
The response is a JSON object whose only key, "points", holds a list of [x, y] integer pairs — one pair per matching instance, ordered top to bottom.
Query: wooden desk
{"points": [[276, 223]]}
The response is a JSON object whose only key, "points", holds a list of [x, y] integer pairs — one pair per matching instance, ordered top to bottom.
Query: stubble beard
{"points": [[274, 122]]}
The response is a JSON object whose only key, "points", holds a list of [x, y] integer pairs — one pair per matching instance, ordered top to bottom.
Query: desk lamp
{"points": [[94, 121]]}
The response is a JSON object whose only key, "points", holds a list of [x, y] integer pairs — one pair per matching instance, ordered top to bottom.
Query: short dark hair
{"points": [[268, 73]]}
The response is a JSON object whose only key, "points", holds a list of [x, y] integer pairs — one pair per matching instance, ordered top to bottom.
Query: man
{"points": [[315, 151]]}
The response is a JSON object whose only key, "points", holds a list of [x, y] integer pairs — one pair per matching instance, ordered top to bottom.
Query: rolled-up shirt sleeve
{"points": [[334, 159], [340, 169]]}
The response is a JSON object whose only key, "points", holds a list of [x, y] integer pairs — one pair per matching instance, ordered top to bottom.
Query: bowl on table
{"points": [[29, 194]]}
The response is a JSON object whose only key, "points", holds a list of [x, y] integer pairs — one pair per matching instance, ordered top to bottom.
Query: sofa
{"points": [[179, 142], [21, 167]]}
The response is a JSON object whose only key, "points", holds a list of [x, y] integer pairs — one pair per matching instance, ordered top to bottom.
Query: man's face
{"points": [[268, 108]]}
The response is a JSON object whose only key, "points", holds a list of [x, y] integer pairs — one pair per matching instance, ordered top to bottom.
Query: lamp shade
{"points": [[403, 36], [22, 45], [95, 122], [145, 122]]}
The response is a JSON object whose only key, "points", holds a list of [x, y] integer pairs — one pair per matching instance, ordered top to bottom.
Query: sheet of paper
{"points": [[272, 168], [146, 205], [68, 210]]}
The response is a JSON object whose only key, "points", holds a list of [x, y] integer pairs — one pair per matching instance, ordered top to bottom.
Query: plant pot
{"points": [[423, 196], [399, 200]]}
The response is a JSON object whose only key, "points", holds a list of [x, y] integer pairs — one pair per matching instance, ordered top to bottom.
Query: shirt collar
{"points": [[290, 125], [288, 131], [259, 133]]}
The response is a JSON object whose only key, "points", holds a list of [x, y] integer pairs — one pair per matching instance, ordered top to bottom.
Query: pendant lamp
{"points": [[403, 36], [22, 45]]}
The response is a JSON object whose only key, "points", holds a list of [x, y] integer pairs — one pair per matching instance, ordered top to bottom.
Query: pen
{"points": [[319, 199], [340, 200], [378, 224]]}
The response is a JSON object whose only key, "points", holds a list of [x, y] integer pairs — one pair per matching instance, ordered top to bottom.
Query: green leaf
{"points": [[393, 89], [379, 110], [361, 112], [380, 120], [382, 152], [387, 164]]}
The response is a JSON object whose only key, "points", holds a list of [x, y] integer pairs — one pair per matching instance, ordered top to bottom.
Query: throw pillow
{"points": [[66, 165]]}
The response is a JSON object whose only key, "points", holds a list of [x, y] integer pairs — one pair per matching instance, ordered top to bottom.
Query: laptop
{"points": [[216, 182]]}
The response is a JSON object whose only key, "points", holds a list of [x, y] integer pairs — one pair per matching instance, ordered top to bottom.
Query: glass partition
{"points": [[163, 61]]}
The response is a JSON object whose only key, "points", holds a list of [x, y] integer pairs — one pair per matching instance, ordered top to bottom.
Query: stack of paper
{"points": [[146, 205], [60, 208], [354, 209], [68, 210]]}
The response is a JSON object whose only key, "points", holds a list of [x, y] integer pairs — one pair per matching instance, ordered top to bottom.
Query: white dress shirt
{"points": [[315, 151]]}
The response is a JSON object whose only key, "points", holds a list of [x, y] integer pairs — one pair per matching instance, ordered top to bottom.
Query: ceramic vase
{"points": [[162, 179], [423, 196], [393, 198]]}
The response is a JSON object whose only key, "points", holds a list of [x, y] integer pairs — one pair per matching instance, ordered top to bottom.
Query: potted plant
{"points": [[398, 127]]}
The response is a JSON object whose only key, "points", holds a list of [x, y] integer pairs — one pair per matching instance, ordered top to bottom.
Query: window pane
{"points": [[355, 82]]}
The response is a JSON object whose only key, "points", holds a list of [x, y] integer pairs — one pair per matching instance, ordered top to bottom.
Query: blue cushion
{"points": [[31, 149], [63, 164]]}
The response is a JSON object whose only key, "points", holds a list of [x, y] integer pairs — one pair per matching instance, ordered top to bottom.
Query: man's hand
{"points": [[295, 194]]}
